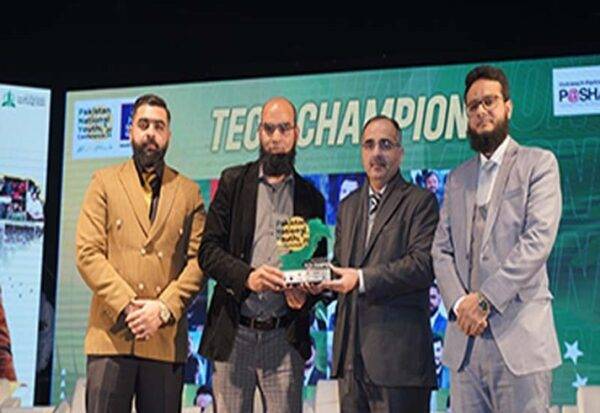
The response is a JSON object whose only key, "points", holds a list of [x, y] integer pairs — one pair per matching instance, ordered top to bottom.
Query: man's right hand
{"points": [[265, 278], [130, 307]]}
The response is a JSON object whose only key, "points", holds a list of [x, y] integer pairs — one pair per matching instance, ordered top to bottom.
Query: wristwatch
{"points": [[483, 303], [165, 314]]}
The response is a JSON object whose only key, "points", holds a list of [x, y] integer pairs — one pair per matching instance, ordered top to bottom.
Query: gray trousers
{"points": [[262, 359], [113, 380], [484, 384]]}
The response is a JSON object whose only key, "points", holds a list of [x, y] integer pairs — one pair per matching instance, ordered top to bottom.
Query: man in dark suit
{"points": [[257, 331], [382, 351]]}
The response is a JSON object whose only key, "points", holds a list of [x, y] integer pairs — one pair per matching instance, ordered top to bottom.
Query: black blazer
{"points": [[225, 254], [394, 333]]}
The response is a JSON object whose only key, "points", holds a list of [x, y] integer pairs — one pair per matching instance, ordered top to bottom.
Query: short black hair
{"points": [[489, 73], [151, 99], [384, 117], [426, 174]]}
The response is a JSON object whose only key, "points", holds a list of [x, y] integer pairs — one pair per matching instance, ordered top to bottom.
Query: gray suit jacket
{"points": [[523, 218], [394, 334]]}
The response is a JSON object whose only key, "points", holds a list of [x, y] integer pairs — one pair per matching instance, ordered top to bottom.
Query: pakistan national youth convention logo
{"points": [[8, 100]]}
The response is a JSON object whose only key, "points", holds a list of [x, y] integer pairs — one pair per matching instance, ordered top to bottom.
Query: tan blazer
{"points": [[122, 256]]}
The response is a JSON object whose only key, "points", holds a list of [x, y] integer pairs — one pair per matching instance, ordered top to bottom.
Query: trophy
{"points": [[298, 241]]}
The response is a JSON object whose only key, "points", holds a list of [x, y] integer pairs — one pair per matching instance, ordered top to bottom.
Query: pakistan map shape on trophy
{"points": [[316, 230]]}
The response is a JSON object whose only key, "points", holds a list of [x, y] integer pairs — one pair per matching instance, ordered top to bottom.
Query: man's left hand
{"points": [[347, 280], [471, 319], [145, 320]]}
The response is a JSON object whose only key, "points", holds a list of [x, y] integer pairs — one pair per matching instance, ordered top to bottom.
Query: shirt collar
{"points": [[498, 154], [160, 168], [372, 191]]}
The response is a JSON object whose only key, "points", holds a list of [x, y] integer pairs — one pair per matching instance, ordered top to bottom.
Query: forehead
{"points": [[484, 87], [278, 112], [151, 113], [380, 129]]}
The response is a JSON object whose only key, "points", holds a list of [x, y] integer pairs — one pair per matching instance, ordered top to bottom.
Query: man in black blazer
{"points": [[257, 330], [382, 350]]}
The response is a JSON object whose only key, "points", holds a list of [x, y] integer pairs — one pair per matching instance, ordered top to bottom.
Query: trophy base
{"points": [[314, 273]]}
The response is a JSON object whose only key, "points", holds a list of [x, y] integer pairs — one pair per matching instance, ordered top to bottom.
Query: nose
{"points": [[480, 110], [150, 132], [277, 135], [376, 149]]}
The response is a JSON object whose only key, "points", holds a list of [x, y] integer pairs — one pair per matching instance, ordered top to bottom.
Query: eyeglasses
{"points": [[489, 102], [270, 128], [385, 144]]}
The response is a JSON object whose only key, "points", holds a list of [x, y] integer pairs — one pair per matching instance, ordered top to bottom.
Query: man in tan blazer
{"points": [[137, 240], [7, 368]]}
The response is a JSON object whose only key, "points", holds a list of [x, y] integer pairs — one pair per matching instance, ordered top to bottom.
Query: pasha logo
{"points": [[576, 91], [574, 95]]}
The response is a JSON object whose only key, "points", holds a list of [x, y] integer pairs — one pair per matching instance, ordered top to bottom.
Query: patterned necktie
{"points": [[486, 174], [153, 185], [374, 200]]}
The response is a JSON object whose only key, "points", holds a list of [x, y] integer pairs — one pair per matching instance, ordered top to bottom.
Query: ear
{"points": [[509, 108], [296, 134]]}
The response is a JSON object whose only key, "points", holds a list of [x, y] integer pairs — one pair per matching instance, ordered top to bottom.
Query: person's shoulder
{"points": [[535, 153], [463, 168], [110, 171], [235, 172], [307, 186], [418, 194], [352, 198]]}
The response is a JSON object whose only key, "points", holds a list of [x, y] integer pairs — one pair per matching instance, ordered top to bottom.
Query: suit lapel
{"points": [[472, 172], [130, 182], [498, 190], [168, 191], [248, 193], [389, 204], [302, 208], [354, 248]]}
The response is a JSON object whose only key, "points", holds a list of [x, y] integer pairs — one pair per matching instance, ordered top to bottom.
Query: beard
{"points": [[488, 142], [146, 158], [277, 164]]}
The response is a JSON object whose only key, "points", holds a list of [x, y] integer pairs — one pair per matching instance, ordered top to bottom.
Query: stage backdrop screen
{"points": [[557, 106], [24, 131]]}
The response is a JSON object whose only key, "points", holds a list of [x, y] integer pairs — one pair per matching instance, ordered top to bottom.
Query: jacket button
{"points": [[119, 223], [180, 231], [143, 251], [160, 255], [141, 286], [157, 289]]}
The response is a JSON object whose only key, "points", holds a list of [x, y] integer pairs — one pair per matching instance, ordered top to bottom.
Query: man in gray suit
{"points": [[497, 227], [383, 353]]}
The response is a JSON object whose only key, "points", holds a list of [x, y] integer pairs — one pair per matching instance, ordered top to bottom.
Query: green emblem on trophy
{"points": [[298, 241]]}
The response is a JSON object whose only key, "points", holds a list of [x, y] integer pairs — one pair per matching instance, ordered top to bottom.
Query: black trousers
{"points": [[112, 381], [358, 394]]}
